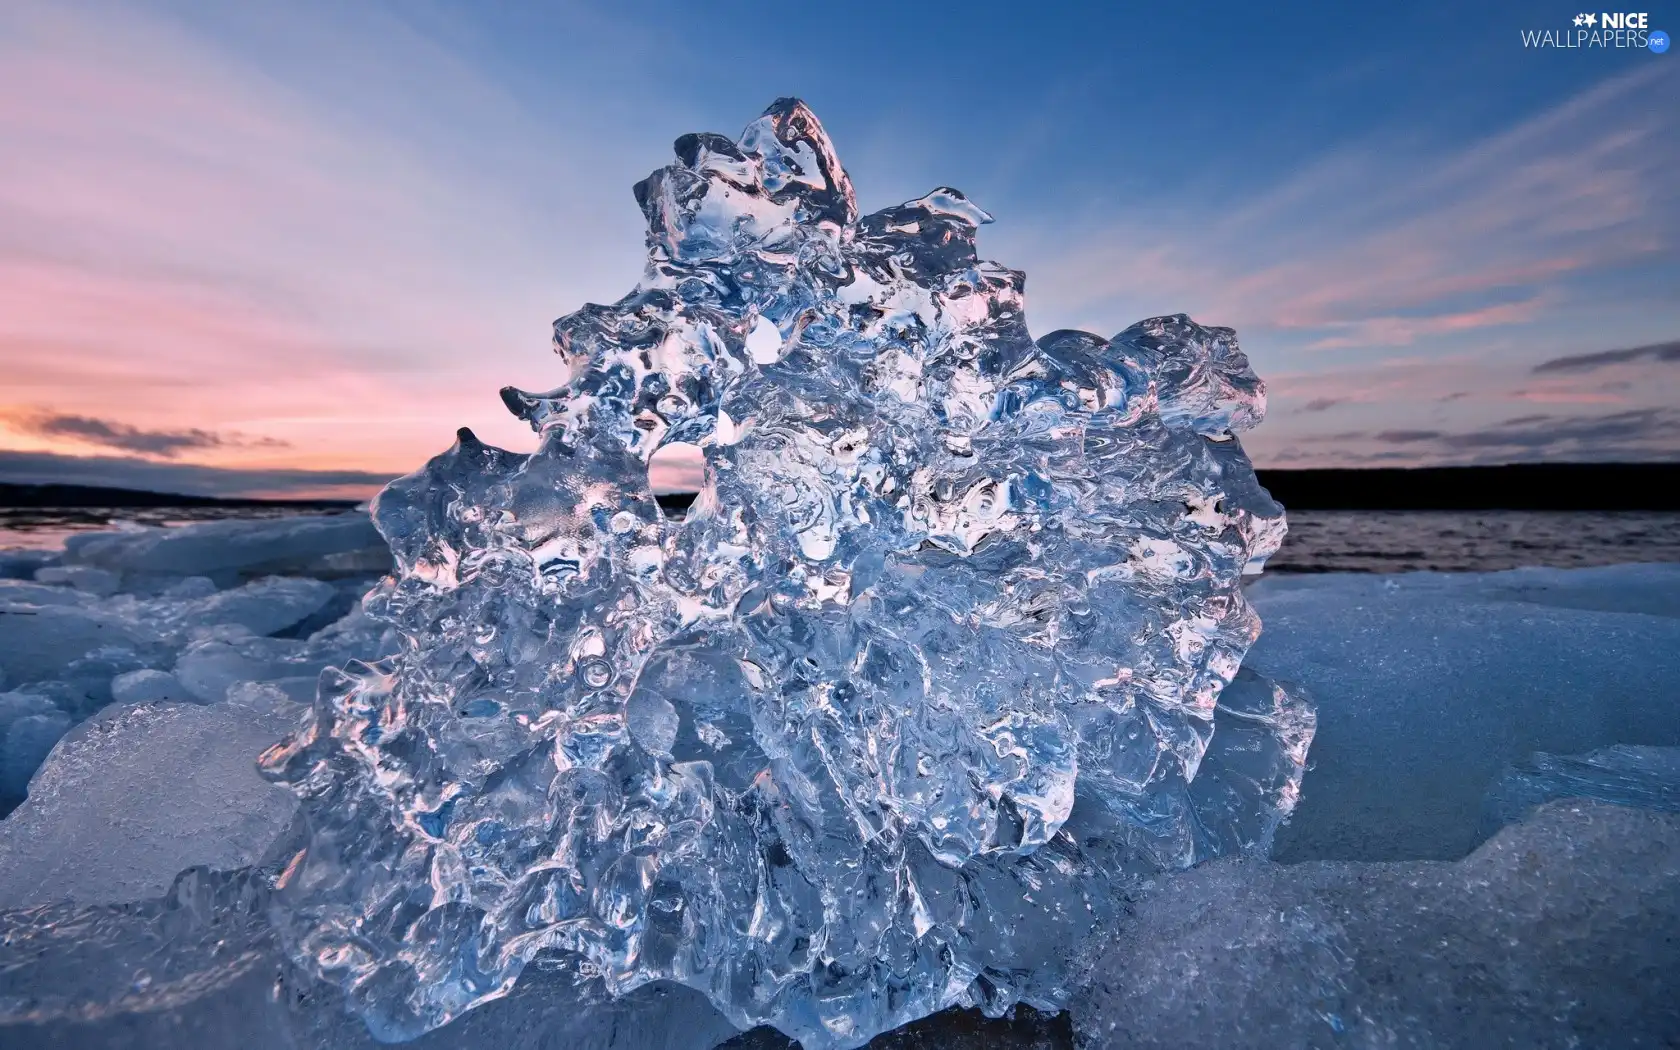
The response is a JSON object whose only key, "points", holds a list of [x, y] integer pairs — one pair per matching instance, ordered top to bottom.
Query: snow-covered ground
{"points": [[145, 671]]}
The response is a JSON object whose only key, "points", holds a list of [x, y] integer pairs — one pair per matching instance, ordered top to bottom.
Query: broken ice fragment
{"points": [[226, 549], [81, 577], [42, 641], [148, 686], [26, 742], [1627, 775], [134, 796]]}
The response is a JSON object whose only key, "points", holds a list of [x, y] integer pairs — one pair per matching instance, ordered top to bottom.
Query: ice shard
{"points": [[885, 722]]}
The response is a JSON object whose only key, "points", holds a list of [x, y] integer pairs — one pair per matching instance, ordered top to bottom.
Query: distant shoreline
{"points": [[1523, 486], [1527, 486], [1536, 486], [66, 497]]}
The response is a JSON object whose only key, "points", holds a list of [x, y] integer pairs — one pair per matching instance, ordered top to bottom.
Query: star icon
{"points": [[1580, 20], [1592, 20]]}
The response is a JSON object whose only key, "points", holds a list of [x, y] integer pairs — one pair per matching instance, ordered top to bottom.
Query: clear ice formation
{"points": [[885, 722], [1626, 774]]}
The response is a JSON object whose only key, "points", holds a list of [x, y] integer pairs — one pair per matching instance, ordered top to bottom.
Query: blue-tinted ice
{"points": [[930, 668]]}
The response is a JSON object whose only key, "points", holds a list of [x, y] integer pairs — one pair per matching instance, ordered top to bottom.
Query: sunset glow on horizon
{"points": [[309, 243]]}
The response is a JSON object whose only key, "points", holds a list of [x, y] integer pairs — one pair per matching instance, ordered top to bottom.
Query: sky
{"points": [[288, 248]]}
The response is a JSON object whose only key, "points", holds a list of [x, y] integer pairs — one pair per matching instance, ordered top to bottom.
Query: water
{"points": [[46, 528], [1319, 541], [1473, 541]]}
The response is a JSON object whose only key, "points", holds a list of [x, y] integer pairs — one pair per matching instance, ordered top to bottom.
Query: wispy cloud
{"points": [[265, 215], [1392, 240], [1430, 283], [1404, 331], [1667, 353], [1568, 397], [1323, 404], [1421, 411], [1639, 434], [165, 444]]}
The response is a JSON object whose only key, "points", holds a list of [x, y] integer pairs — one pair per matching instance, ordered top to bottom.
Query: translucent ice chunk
{"points": [[226, 549], [22, 564], [81, 577], [189, 587], [18, 592], [263, 606], [353, 636], [40, 642], [206, 668], [85, 685], [148, 686], [19, 703], [882, 724], [26, 742], [1646, 777], [138, 794], [199, 967]]}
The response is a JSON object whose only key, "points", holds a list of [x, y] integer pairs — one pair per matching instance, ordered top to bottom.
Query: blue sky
{"points": [[318, 237]]}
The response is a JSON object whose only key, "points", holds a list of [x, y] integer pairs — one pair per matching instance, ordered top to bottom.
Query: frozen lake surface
{"points": [[47, 528], [1486, 851]]}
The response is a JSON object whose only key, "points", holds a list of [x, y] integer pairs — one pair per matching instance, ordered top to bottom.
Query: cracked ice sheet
{"points": [[1429, 684], [1560, 932]]}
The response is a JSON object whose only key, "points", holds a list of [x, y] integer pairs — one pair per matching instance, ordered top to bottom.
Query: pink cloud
{"points": [[189, 242], [1403, 331], [1567, 397], [677, 468]]}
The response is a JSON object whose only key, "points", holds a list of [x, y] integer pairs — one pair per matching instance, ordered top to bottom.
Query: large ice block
{"points": [[230, 550], [23, 564], [262, 607], [40, 642], [883, 725], [29, 727], [132, 797], [199, 967]]}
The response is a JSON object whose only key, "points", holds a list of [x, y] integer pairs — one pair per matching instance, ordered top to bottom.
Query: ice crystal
{"points": [[885, 721]]}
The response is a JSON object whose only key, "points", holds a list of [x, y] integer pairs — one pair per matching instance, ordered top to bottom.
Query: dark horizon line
{"points": [[1509, 486], [1513, 486], [1622, 486], [26, 495]]}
